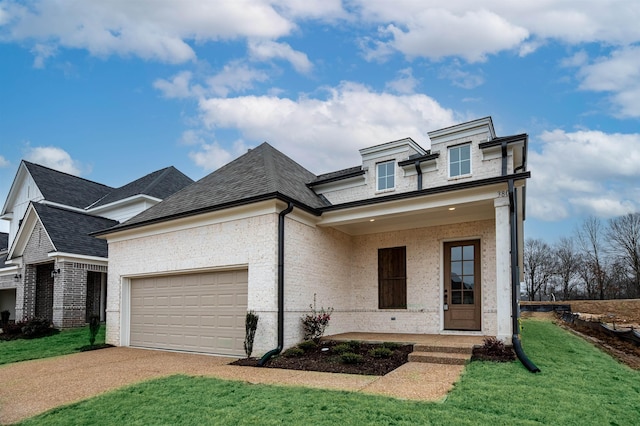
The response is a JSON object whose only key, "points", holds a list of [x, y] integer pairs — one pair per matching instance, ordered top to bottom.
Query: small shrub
{"points": [[315, 322], [251, 325], [37, 327], [94, 328], [11, 331], [354, 344], [307, 345], [391, 345], [495, 347], [341, 348], [293, 352], [380, 352], [351, 358]]}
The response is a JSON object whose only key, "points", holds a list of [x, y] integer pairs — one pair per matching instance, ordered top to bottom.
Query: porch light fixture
{"points": [[55, 272], [17, 277]]}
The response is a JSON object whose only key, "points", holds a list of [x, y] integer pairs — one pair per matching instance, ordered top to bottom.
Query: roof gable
{"points": [[263, 172], [159, 184], [62, 188], [69, 230]]}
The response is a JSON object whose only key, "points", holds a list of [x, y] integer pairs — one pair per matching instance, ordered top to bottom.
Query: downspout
{"points": [[504, 158], [419, 171], [515, 279], [266, 357]]}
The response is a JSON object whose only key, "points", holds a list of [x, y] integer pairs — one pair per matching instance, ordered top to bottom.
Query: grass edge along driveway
{"points": [[63, 343], [579, 384]]}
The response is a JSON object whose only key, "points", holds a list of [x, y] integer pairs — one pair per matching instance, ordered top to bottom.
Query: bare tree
{"points": [[590, 237], [624, 238], [568, 263], [539, 265]]}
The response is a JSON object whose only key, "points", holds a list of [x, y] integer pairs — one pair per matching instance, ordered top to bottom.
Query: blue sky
{"points": [[113, 90]]}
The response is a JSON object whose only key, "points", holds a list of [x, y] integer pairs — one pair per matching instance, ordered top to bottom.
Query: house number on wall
{"points": [[503, 193]]}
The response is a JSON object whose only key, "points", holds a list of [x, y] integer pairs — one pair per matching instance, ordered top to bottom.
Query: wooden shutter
{"points": [[392, 278]]}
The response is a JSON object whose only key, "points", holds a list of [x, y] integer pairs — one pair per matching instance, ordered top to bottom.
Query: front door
{"points": [[462, 301]]}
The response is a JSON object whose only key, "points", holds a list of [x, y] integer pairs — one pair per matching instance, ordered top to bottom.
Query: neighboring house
{"points": [[410, 241], [51, 266]]}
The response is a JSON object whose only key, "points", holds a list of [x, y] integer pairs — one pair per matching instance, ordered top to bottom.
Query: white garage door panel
{"points": [[197, 312]]}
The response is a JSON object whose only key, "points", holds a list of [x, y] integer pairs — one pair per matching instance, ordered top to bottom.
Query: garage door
{"points": [[197, 312]]}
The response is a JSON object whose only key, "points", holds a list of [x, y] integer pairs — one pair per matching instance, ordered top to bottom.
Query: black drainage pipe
{"points": [[515, 279], [266, 357]]}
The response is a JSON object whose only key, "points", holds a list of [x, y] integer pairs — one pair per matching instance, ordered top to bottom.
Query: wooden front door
{"points": [[462, 298]]}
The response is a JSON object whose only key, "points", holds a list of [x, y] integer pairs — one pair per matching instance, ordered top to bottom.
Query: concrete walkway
{"points": [[32, 387]]}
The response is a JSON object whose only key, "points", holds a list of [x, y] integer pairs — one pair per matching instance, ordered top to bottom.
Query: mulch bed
{"points": [[482, 353], [324, 358]]}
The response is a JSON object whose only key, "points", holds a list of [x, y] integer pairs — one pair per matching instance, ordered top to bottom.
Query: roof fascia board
{"points": [[463, 130], [509, 140], [390, 148], [337, 178], [17, 179], [338, 184], [429, 191], [123, 202], [409, 205], [63, 206], [219, 207], [194, 221], [29, 222], [80, 258], [9, 270]]}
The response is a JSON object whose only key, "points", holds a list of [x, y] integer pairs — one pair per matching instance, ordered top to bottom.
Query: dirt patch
{"points": [[624, 312], [493, 350], [327, 357]]}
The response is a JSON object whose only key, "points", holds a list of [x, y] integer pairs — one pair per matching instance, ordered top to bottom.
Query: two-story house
{"points": [[409, 241], [52, 267]]}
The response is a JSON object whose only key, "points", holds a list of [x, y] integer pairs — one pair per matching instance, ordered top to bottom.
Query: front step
{"points": [[455, 349], [449, 358]]}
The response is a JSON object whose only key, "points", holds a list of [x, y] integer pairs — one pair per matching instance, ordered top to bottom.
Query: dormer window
{"points": [[460, 160], [386, 175]]}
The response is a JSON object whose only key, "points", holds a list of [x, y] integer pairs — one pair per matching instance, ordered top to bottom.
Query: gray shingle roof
{"points": [[262, 173], [337, 175], [159, 184], [63, 188], [69, 230]]}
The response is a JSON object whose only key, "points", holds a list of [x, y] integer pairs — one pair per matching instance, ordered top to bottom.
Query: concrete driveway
{"points": [[32, 387]]}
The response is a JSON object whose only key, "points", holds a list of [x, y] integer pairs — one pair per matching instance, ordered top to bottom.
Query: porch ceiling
{"points": [[412, 213]]}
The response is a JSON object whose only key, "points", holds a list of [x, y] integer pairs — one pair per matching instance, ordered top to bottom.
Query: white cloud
{"points": [[473, 29], [156, 30], [265, 50], [618, 74], [235, 77], [459, 77], [405, 83], [178, 87], [325, 134], [212, 156], [55, 158], [4, 162], [584, 172]]}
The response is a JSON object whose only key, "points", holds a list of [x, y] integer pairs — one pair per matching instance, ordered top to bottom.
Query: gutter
{"points": [[419, 171], [515, 309], [266, 357]]}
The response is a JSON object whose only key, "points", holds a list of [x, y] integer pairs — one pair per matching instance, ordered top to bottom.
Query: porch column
{"points": [[503, 270]]}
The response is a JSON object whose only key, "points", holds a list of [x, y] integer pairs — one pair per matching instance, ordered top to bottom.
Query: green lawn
{"points": [[65, 342], [579, 385]]}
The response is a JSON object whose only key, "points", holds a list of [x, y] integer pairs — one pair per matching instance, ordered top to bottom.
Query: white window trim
{"points": [[449, 161], [395, 178]]}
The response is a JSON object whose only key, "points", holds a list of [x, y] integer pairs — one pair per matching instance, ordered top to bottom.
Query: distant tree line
{"points": [[601, 260]]}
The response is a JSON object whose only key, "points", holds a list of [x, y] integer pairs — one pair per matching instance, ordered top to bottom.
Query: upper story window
{"points": [[460, 160], [386, 175]]}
